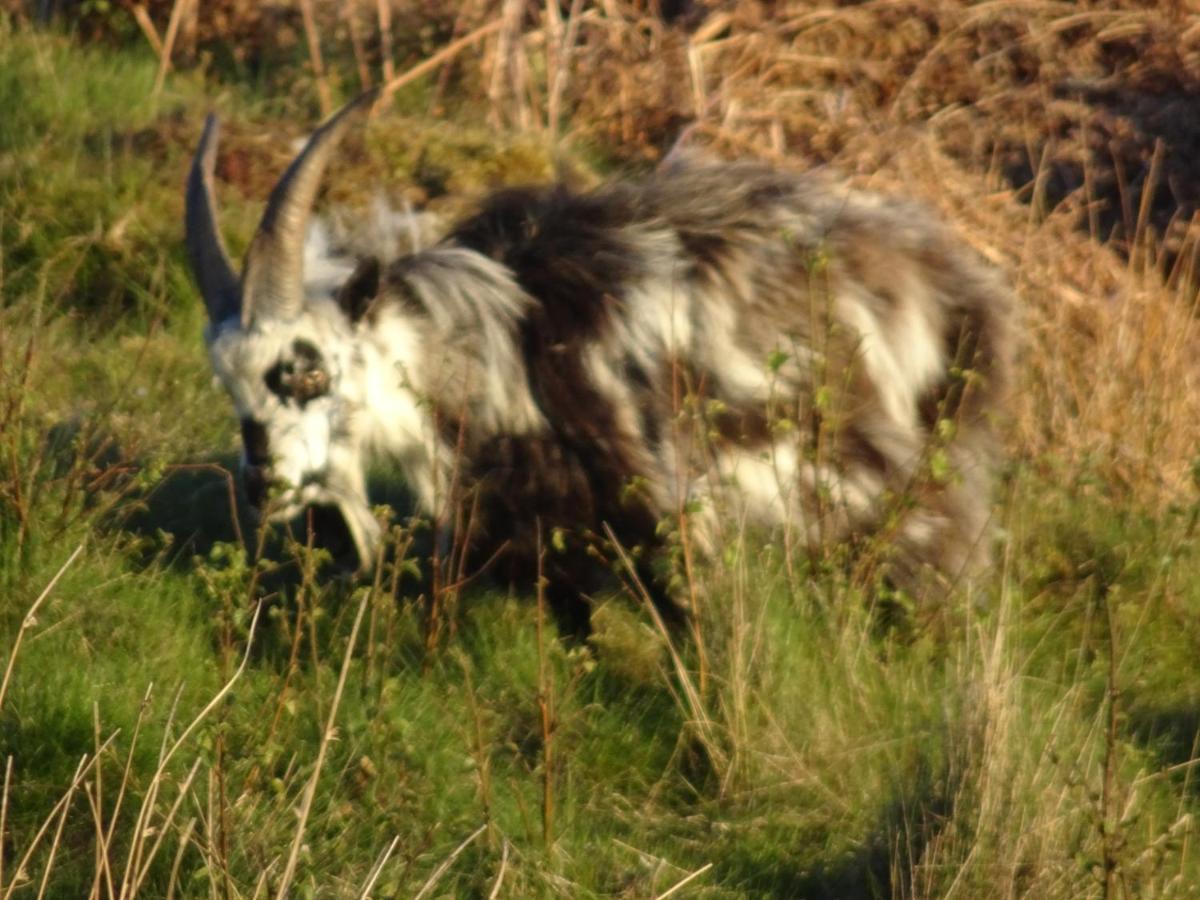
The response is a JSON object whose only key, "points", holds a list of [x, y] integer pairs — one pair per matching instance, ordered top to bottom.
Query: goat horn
{"points": [[210, 262], [273, 276]]}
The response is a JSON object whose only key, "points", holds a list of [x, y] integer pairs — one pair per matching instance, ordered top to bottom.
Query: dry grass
{"points": [[1049, 133]]}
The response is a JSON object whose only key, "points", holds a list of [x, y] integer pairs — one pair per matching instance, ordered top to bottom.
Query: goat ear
{"points": [[357, 295]]}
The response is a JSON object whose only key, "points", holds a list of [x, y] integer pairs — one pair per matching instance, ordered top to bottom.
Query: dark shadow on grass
{"points": [[1121, 125], [195, 505], [198, 505], [1171, 732]]}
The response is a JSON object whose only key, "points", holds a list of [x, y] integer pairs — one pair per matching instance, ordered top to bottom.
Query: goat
{"points": [[722, 339]]}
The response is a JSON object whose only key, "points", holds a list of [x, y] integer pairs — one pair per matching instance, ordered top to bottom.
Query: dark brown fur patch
{"points": [[776, 250], [567, 252], [357, 295]]}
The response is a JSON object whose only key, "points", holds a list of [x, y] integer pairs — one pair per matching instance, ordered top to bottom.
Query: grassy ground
{"points": [[179, 719]]}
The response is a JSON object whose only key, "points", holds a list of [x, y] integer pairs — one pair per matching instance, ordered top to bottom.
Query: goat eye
{"points": [[299, 380], [310, 384]]}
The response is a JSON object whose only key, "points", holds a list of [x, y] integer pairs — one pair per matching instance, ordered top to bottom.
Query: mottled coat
{"points": [[754, 346]]}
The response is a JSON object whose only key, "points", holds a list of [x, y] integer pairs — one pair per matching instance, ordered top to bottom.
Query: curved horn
{"points": [[210, 262], [273, 276]]}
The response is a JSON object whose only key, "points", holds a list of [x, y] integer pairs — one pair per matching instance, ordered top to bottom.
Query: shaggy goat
{"points": [[712, 337]]}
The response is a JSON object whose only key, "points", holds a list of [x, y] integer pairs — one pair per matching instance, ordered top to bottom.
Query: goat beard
{"points": [[337, 520], [363, 529]]}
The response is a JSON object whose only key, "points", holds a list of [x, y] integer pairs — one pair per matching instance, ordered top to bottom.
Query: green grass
{"points": [[1035, 739]]}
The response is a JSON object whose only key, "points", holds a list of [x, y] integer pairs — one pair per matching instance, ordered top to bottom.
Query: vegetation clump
{"points": [[190, 706]]}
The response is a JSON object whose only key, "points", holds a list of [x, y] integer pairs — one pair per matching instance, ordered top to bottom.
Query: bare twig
{"points": [[384, 10], [466, 13], [146, 24], [509, 24], [313, 37], [356, 43], [444, 55], [164, 58], [562, 58], [31, 619], [693, 700], [545, 701], [326, 737], [165, 758], [8, 765], [84, 766], [115, 817], [1108, 817], [62, 821], [164, 827], [178, 862], [448, 862], [103, 868], [377, 869], [103, 872], [679, 884], [495, 892]]}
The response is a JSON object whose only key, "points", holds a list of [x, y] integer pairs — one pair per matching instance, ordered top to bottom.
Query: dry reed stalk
{"points": [[383, 10], [466, 13], [350, 15], [146, 24], [188, 30], [702, 40], [554, 46], [314, 56], [164, 58], [428, 65], [561, 65], [502, 79], [526, 88], [1149, 186], [682, 491], [441, 560], [376, 593], [30, 620], [293, 665], [737, 681], [545, 701], [692, 701], [327, 733], [476, 739], [166, 754], [8, 766], [125, 777], [96, 802], [60, 808], [62, 821], [163, 827], [210, 837], [101, 848], [133, 863], [177, 863], [445, 864], [377, 869], [103, 871], [680, 885], [260, 886], [495, 891]]}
